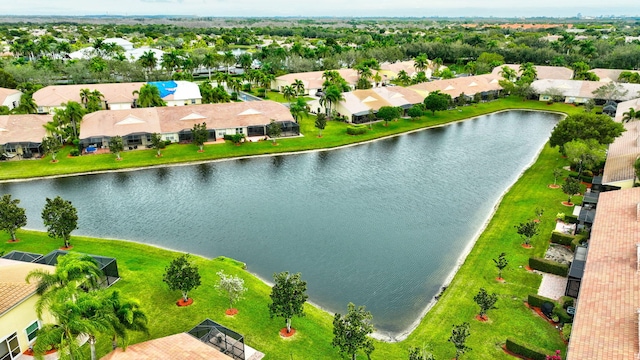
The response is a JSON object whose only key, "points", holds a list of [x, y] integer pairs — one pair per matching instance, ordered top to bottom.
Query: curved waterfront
{"points": [[381, 224]]}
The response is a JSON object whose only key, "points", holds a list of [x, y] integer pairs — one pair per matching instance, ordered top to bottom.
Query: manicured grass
{"points": [[334, 135], [141, 266]]}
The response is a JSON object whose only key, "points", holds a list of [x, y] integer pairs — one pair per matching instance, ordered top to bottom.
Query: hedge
{"points": [[356, 130], [571, 219], [562, 239], [577, 242], [548, 266], [537, 300], [563, 317], [526, 350]]}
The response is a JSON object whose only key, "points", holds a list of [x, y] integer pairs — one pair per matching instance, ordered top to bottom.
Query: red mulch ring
{"points": [[200, 151], [118, 159], [54, 161], [552, 186], [566, 203], [536, 220], [10, 241], [527, 246], [66, 248], [528, 268], [501, 280], [181, 302], [231, 312], [539, 312], [483, 318], [285, 334], [29, 352]]}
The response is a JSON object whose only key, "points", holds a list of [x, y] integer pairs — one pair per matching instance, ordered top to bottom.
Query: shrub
{"points": [[246, 87], [356, 130], [228, 137], [167, 143], [74, 152], [571, 219], [562, 239], [579, 240], [548, 266], [537, 300], [566, 301], [563, 317], [566, 332], [526, 350]]}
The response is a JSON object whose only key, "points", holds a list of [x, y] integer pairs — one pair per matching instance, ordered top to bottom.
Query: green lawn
{"points": [[334, 135], [141, 274]]}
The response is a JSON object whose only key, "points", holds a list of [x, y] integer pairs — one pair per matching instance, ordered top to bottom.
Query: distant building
{"points": [[10, 98]]}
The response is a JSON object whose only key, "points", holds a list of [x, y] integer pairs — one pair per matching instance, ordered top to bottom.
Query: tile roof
{"points": [[396, 67], [543, 72], [609, 74], [314, 80], [469, 85], [581, 88], [6, 92], [359, 102], [170, 119], [23, 128], [621, 155], [13, 286], [606, 320], [178, 346]]}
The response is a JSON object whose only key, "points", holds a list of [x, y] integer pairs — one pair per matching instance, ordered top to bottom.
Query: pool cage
{"points": [[107, 265], [225, 340]]}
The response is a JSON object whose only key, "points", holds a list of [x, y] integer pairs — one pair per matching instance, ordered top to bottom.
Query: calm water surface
{"points": [[380, 224]]}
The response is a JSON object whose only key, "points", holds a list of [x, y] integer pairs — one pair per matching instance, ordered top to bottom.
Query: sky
{"points": [[338, 8]]}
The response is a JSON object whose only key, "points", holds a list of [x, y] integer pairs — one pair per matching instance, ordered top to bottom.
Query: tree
{"points": [[149, 62], [298, 85], [610, 91], [289, 92], [148, 96], [437, 101], [27, 104], [299, 108], [415, 112], [388, 113], [631, 115], [321, 123], [585, 126], [274, 130], [200, 135], [157, 143], [51, 145], [116, 145], [585, 154], [556, 172], [570, 187], [12, 216], [60, 218], [527, 230], [501, 263], [182, 275], [232, 286], [288, 295], [486, 301], [128, 316], [350, 332], [459, 335], [416, 353]]}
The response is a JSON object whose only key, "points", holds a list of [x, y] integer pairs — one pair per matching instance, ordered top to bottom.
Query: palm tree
{"points": [[228, 59], [210, 60], [148, 61], [420, 62], [528, 70], [508, 73], [222, 78], [403, 78], [299, 86], [288, 92], [332, 95], [84, 96], [149, 96], [27, 104], [299, 108], [71, 114], [631, 115], [72, 269], [128, 317]]}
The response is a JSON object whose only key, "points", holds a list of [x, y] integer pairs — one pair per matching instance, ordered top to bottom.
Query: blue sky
{"points": [[349, 8]]}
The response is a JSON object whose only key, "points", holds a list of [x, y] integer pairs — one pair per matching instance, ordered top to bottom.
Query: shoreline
{"points": [[389, 337]]}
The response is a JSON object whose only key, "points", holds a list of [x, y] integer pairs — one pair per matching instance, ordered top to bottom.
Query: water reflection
{"points": [[204, 172], [162, 174], [121, 178]]}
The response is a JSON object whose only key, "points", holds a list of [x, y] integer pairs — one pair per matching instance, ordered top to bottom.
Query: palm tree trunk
{"points": [[288, 325], [92, 344]]}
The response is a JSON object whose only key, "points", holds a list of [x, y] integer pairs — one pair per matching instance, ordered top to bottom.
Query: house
{"points": [[125, 44], [134, 55], [389, 71], [542, 72], [609, 75], [312, 80], [469, 86], [578, 91], [116, 96], [10, 98], [357, 104], [175, 123], [22, 134], [623, 152], [18, 319], [605, 325], [178, 346]]}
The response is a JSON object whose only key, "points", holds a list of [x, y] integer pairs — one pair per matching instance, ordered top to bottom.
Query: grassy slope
{"points": [[142, 275]]}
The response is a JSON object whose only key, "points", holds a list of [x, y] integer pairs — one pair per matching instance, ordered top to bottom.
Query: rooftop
{"points": [[13, 286], [178, 346]]}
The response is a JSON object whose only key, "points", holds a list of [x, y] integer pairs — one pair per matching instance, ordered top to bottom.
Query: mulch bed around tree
{"points": [[552, 186], [566, 203], [10, 241], [527, 246], [65, 248], [528, 268], [501, 280], [181, 302], [231, 312], [483, 318], [285, 334], [29, 352]]}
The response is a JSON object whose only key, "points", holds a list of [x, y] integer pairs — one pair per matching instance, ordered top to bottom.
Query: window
{"points": [[193, 101], [239, 131], [32, 330], [9, 348]]}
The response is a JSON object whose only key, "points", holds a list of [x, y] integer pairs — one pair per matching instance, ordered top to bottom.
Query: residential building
{"points": [[123, 43], [389, 71], [542, 72], [609, 75], [313, 80], [469, 86], [578, 91], [116, 96], [10, 98], [175, 123], [22, 135], [623, 152], [18, 319], [605, 325], [178, 346]]}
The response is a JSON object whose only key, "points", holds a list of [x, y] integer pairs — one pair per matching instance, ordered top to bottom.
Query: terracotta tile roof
{"points": [[396, 67], [543, 72], [609, 74], [314, 80], [468, 85], [581, 88], [6, 92], [55, 95], [359, 102], [175, 118], [23, 128], [624, 150], [13, 287], [606, 320], [178, 346]]}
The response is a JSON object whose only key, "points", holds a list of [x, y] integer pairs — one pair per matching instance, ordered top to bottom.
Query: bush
{"points": [[246, 87], [356, 130], [228, 137], [166, 143], [74, 152], [571, 219], [562, 239], [579, 240], [548, 266], [537, 300], [566, 301], [563, 317], [566, 332], [526, 350]]}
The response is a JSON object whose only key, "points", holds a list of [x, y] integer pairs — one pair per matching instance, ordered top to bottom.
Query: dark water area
{"points": [[380, 224]]}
